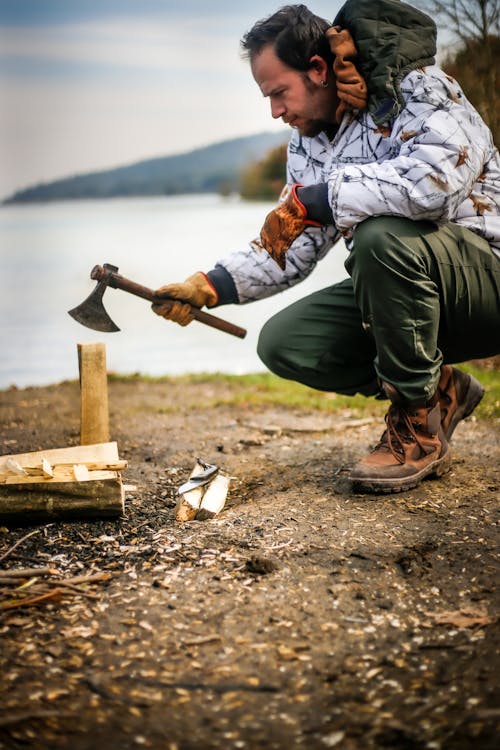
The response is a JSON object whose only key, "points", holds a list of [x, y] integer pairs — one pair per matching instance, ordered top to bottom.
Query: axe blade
{"points": [[92, 313]]}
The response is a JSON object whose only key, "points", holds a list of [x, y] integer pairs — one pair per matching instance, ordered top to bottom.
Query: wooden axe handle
{"points": [[117, 281]]}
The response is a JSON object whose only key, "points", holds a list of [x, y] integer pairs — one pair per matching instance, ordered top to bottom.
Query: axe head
{"points": [[91, 313]]}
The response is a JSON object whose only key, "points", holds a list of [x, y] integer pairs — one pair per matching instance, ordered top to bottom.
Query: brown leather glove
{"points": [[351, 87], [283, 225], [195, 291]]}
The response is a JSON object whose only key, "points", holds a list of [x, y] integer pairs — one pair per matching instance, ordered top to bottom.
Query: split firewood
{"points": [[94, 412], [78, 454], [92, 465], [14, 467], [47, 469], [81, 473], [67, 474], [79, 481], [214, 498], [206, 500], [189, 503]]}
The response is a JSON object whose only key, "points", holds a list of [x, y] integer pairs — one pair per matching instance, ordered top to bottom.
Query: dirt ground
{"points": [[303, 616]]}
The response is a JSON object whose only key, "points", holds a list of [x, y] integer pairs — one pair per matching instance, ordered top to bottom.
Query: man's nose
{"points": [[277, 110]]}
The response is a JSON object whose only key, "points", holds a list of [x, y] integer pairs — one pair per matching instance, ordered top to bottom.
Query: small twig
{"points": [[19, 541], [280, 546], [25, 558], [28, 572], [86, 579], [31, 583], [74, 589], [30, 602], [201, 641], [95, 684], [216, 687], [229, 687], [6, 721]]}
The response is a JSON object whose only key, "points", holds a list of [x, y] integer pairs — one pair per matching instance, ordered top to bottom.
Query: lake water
{"points": [[48, 250]]}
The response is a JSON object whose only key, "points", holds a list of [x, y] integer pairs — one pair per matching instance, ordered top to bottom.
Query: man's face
{"points": [[298, 98]]}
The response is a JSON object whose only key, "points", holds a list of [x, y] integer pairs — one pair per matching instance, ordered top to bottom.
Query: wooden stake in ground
{"points": [[94, 414]]}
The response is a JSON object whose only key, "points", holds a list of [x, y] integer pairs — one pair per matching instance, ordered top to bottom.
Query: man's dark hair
{"points": [[296, 34]]}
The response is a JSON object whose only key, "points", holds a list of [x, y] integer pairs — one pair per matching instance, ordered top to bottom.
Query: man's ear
{"points": [[318, 69]]}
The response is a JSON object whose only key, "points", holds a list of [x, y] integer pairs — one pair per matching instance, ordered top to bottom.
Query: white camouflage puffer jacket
{"points": [[437, 161]]}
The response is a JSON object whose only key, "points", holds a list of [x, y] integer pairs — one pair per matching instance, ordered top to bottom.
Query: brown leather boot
{"points": [[458, 394], [412, 447]]}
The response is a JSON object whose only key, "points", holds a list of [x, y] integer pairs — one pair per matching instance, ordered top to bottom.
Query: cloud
{"points": [[124, 46]]}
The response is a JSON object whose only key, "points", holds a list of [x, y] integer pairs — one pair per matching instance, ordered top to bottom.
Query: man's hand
{"points": [[283, 225], [196, 291]]}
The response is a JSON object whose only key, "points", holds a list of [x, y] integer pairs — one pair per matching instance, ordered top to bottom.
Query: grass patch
{"points": [[263, 389], [489, 408]]}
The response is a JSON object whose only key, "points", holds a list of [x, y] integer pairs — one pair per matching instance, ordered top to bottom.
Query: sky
{"points": [[87, 85]]}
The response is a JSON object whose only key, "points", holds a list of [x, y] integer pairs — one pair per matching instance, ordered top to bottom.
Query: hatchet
{"points": [[92, 313]]}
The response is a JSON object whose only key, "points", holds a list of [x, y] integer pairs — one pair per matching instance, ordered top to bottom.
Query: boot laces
{"points": [[400, 431]]}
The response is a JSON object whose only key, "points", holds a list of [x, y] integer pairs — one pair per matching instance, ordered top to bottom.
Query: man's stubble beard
{"points": [[314, 127]]}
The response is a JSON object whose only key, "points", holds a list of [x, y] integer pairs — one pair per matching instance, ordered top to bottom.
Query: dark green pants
{"points": [[418, 295]]}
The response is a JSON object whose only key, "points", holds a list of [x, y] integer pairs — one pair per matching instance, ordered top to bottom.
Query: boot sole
{"points": [[475, 393], [378, 485]]}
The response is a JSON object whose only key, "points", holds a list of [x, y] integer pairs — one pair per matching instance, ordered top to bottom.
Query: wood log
{"points": [[94, 413], [22, 503]]}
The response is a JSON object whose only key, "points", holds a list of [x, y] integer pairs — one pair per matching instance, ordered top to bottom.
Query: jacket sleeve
{"points": [[438, 146], [253, 273]]}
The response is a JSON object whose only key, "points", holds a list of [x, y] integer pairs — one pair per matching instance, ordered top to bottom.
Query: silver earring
{"points": [[324, 84]]}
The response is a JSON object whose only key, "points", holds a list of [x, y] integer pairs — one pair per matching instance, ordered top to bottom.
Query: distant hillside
{"points": [[215, 168]]}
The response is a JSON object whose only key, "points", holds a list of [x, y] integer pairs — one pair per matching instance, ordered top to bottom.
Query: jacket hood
{"points": [[392, 38]]}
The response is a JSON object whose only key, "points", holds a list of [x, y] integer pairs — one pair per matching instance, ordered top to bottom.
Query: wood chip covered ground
{"points": [[302, 616]]}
